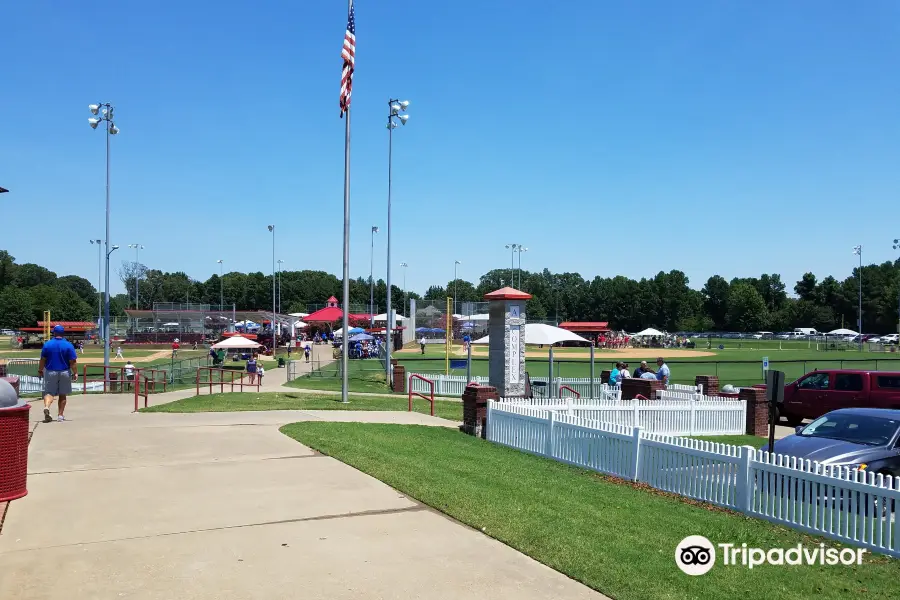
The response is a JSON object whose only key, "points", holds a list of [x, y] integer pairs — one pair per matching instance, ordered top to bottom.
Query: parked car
{"points": [[784, 335], [890, 338], [820, 392], [860, 438]]}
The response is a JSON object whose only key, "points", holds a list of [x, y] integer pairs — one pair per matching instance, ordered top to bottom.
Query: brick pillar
{"points": [[604, 376], [13, 381], [399, 382], [710, 384], [631, 388], [475, 400], [757, 411]]}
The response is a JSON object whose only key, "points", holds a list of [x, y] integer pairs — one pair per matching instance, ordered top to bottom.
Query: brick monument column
{"points": [[506, 331], [475, 400], [757, 411]]}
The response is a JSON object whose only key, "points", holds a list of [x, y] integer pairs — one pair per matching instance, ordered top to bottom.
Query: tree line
{"points": [[665, 301]]}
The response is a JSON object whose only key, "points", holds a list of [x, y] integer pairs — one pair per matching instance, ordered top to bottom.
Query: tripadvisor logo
{"points": [[696, 555]]}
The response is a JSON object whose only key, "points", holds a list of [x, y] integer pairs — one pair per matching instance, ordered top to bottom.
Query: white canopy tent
{"points": [[300, 315], [383, 317], [475, 318], [300, 325], [842, 331], [649, 332], [541, 334], [236, 342]]}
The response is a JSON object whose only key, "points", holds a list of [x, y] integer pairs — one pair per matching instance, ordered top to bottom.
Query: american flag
{"points": [[349, 56]]}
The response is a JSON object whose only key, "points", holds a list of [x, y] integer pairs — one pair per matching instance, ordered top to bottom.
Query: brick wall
{"points": [[399, 377], [710, 384], [631, 388], [475, 400], [757, 411]]}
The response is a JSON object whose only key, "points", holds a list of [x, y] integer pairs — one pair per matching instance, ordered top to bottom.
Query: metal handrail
{"points": [[221, 383], [565, 387], [423, 396]]}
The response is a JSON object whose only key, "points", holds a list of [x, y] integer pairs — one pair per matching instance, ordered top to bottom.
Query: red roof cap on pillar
{"points": [[507, 293]]}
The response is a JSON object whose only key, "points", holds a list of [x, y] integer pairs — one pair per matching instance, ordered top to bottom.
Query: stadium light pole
{"points": [[105, 110], [394, 120], [272, 229], [897, 247], [521, 250], [857, 250], [512, 259], [280, 262], [456, 263], [404, 266], [137, 279], [371, 280], [221, 283], [99, 284]]}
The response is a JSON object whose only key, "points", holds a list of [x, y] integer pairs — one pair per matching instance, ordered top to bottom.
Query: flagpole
{"points": [[348, 54], [346, 320]]}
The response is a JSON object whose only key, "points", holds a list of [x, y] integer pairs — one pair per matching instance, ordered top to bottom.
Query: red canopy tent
{"points": [[332, 313]]}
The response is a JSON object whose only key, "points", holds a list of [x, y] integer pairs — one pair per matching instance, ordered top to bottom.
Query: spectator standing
{"points": [[422, 344], [306, 352], [251, 368], [642, 368], [58, 369], [260, 371], [623, 372], [662, 373], [129, 374], [648, 374]]}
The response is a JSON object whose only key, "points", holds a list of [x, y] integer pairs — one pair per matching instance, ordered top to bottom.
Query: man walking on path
{"points": [[58, 369]]}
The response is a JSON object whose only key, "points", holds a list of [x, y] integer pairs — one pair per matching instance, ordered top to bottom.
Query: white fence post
{"points": [[637, 413], [693, 426], [548, 452], [636, 456], [743, 488]]}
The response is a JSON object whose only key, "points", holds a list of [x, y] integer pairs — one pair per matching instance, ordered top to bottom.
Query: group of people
{"points": [[613, 340], [620, 372]]}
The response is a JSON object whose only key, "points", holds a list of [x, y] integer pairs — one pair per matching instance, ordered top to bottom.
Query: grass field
{"points": [[737, 367], [229, 402], [610, 535]]}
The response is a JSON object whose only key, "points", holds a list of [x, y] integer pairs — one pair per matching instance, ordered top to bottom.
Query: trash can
{"points": [[280, 362], [113, 383], [14, 425]]}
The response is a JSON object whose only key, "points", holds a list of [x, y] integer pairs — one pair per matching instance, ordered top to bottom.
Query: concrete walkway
{"points": [[222, 506]]}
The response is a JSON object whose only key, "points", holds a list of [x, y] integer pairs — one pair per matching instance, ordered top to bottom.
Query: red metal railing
{"points": [[120, 382], [141, 382], [221, 383], [565, 387], [423, 396]]}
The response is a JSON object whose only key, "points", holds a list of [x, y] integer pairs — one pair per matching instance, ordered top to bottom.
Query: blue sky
{"points": [[609, 137]]}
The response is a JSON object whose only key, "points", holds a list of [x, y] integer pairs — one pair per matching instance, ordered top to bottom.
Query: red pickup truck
{"points": [[820, 392]]}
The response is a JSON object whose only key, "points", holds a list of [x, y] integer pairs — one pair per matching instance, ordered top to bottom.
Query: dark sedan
{"points": [[860, 438]]}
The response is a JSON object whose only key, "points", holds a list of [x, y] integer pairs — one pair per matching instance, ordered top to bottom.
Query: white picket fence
{"points": [[29, 384], [444, 385], [455, 385], [701, 416], [848, 506]]}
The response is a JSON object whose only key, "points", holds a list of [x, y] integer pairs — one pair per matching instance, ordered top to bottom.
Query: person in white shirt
{"points": [[422, 343], [260, 371], [129, 373], [624, 373]]}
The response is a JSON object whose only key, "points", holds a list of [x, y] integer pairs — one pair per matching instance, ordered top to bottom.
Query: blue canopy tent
{"points": [[357, 330], [361, 337]]}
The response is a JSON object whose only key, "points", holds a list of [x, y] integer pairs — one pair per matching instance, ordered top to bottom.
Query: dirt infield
{"points": [[600, 355]]}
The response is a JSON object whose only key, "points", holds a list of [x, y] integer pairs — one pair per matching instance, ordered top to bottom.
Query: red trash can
{"points": [[14, 426]]}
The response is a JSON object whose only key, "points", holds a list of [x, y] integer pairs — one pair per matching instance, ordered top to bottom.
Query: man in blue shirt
{"points": [[59, 370], [662, 374]]}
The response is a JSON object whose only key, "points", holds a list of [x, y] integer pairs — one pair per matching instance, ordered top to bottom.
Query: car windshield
{"points": [[856, 428]]}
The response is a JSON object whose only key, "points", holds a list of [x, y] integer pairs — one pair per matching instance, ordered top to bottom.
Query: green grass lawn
{"points": [[732, 366], [362, 375], [241, 401], [734, 440], [613, 537]]}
